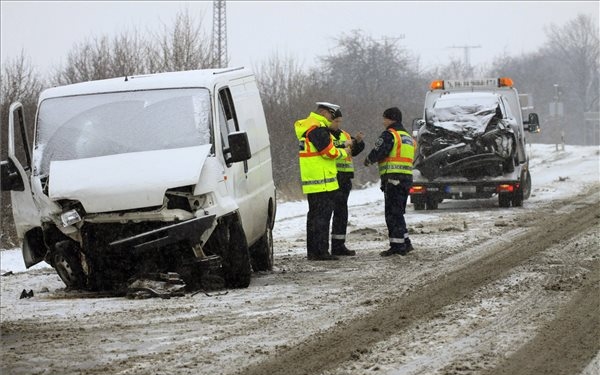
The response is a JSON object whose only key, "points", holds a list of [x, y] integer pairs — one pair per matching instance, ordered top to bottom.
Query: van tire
{"points": [[261, 253], [235, 258], [68, 265]]}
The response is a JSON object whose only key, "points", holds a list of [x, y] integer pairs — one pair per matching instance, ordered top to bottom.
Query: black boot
{"points": [[339, 248], [343, 250], [393, 251]]}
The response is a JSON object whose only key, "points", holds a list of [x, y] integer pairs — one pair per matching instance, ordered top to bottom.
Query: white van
{"points": [[145, 174]]}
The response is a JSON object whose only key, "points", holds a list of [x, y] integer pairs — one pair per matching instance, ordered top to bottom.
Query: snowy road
{"points": [[487, 291]]}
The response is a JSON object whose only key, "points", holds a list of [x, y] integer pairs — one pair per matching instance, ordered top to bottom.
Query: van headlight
{"points": [[70, 217]]}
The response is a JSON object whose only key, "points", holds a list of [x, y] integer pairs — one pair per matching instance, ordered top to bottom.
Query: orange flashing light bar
{"points": [[505, 82], [465, 83], [437, 85]]}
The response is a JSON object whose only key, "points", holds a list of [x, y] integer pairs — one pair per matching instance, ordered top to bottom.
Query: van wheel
{"points": [[261, 253], [236, 259], [68, 265]]}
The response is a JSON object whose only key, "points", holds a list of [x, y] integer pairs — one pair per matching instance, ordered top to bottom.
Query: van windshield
{"points": [[464, 114], [86, 126]]}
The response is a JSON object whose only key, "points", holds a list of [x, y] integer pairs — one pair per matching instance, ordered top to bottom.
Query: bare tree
{"points": [[576, 45], [182, 46], [128, 54], [103, 57], [87, 60], [455, 68], [366, 76], [20, 81], [284, 87]]}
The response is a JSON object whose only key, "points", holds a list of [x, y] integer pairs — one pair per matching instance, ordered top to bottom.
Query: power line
{"points": [[467, 51]]}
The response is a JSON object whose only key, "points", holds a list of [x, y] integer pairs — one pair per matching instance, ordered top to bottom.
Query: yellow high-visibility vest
{"points": [[400, 158], [317, 168]]}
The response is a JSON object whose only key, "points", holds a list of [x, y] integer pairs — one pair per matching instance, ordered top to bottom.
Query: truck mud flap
{"points": [[189, 231]]}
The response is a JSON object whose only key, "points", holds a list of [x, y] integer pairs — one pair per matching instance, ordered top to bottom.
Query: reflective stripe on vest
{"points": [[400, 159], [344, 165]]}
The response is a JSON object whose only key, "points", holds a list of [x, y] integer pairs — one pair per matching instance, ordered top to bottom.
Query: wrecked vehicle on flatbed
{"points": [[471, 144]]}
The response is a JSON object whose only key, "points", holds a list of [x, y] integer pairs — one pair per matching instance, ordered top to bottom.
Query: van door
{"points": [[236, 173], [25, 212]]}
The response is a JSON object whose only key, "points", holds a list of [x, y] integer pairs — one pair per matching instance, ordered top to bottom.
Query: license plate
{"points": [[461, 189]]}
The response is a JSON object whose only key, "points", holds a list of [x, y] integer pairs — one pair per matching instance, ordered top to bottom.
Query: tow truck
{"points": [[471, 144]]}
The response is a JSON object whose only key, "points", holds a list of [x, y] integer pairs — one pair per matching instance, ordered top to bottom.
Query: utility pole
{"points": [[219, 35], [467, 51], [556, 111]]}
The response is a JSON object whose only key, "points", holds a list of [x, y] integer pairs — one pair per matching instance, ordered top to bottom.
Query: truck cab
{"points": [[471, 144], [155, 173]]}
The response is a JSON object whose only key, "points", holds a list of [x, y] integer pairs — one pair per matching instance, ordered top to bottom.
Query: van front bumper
{"points": [[189, 232]]}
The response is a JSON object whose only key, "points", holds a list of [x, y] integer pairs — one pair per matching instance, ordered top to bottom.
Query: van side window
{"points": [[228, 122], [223, 126], [22, 136]]}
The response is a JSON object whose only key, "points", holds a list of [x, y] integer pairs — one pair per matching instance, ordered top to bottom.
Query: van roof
{"points": [[184, 79]]}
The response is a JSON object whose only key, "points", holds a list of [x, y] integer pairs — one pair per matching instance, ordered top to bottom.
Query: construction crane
{"points": [[219, 35]]}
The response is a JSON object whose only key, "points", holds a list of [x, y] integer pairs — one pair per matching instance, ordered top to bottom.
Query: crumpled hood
{"points": [[463, 120], [126, 181]]}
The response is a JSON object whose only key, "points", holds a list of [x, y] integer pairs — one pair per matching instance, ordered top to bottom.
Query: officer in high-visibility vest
{"points": [[394, 153], [318, 172], [345, 174]]}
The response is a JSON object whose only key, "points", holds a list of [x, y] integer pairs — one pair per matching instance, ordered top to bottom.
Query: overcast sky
{"points": [[304, 30]]}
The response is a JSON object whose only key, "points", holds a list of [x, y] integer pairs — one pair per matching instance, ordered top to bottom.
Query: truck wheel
{"points": [[526, 185], [517, 199], [504, 200], [418, 203], [432, 203], [419, 206], [261, 253], [236, 259], [68, 266]]}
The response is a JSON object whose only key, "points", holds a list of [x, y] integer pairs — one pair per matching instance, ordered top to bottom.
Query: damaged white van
{"points": [[145, 174]]}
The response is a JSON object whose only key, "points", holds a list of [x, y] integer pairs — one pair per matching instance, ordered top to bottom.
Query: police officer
{"points": [[394, 154], [318, 171], [345, 174]]}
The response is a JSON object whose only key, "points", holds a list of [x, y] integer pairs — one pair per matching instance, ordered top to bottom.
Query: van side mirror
{"points": [[417, 123], [533, 123], [239, 147], [10, 180]]}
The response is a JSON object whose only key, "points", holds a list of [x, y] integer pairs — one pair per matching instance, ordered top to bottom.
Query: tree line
{"points": [[363, 74]]}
